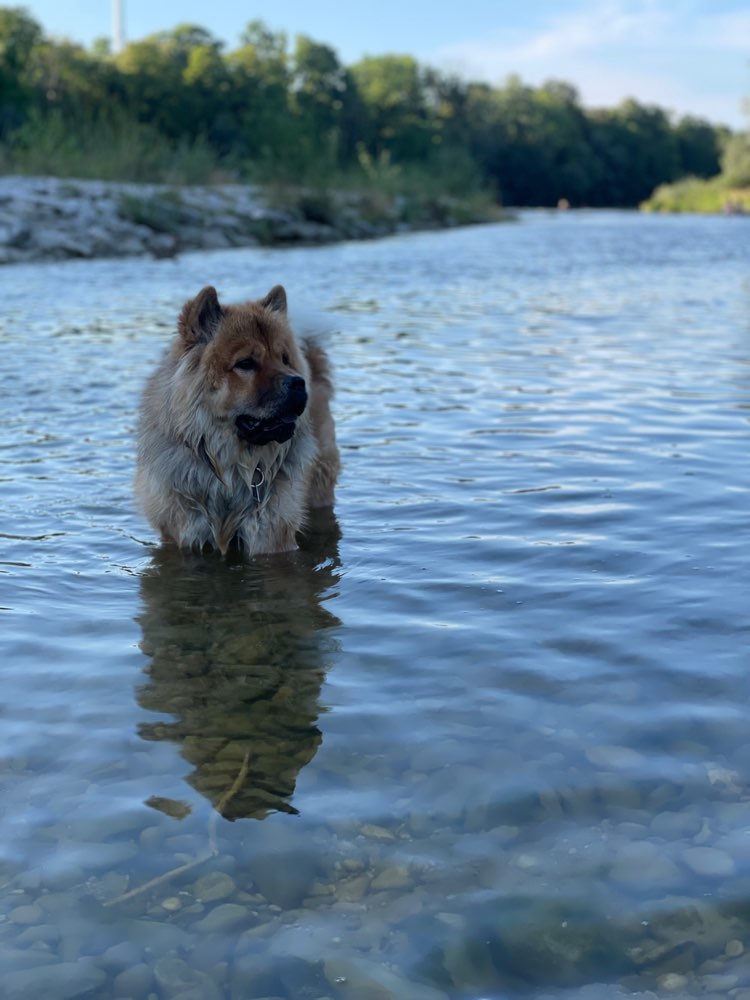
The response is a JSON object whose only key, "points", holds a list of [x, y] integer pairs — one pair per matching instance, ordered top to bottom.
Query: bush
{"points": [[117, 149]]}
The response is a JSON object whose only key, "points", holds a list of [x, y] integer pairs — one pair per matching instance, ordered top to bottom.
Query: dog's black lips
{"points": [[258, 432]]}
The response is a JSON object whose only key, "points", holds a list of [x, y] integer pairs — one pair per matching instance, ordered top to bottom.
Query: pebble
{"points": [[616, 758], [674, 825], [376, 832], [708, 861], [642, 864], [353, 865], [284, 877], [395, 877], [214, 886], [352, 890], [31, 913], [222, 918], [48, 933], [734, 948], [121, 956], [24, 958], [357, 978], [177, 979], [62, 981], [134, 982], [672, 982], [718, 983]]}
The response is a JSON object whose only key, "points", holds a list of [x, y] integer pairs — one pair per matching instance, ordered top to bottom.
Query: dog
{"points": [[236, 441]]}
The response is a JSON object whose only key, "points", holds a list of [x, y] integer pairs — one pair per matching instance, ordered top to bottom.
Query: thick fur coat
{"points": [[236, 441]]}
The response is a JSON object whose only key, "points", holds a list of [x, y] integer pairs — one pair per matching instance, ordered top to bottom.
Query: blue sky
{"points": [[689, 56]]}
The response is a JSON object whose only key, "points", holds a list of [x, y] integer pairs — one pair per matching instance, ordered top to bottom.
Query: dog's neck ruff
{"points": [[263, 477]]}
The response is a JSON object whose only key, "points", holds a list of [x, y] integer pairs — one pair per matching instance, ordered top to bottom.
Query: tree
{"points": [[20, 35], [391, 89], [259, 95], [699, 147]]}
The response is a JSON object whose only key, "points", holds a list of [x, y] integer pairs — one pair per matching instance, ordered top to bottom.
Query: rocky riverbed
{"points": [[49, 218]]}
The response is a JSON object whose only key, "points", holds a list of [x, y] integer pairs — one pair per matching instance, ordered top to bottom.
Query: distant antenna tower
{"points": [[118, 32]]}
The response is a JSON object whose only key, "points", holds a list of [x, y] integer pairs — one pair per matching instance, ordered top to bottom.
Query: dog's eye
{"points": [[285, 358], [247, 365]]}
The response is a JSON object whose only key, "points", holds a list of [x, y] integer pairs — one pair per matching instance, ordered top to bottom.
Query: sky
{"points": [[687, 56]]}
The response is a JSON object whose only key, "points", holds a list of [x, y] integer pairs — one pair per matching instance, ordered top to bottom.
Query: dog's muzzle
{"points": [[280, 426]]}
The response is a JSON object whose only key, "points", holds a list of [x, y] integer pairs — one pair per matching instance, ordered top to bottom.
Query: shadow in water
{"points": [[238, 653]]}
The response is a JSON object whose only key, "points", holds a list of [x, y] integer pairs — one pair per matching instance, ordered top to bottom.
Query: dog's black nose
{"points": [[296, 394]]}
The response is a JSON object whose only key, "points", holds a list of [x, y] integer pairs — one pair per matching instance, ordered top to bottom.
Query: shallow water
{"points": [[486, 734]]}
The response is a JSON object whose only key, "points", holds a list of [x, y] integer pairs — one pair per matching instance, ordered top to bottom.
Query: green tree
{"points": [[20, 34], [259, 96], [396, 120], [699, 147], [636, 149]]}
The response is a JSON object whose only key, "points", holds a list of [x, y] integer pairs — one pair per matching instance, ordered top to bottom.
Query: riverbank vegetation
{"points": [[177, 107], [728, 192]]}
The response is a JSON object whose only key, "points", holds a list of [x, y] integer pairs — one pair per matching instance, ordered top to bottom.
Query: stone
{"points": [[615, 758], [676, 825], [375, 832], [708, 861], [642, 864], [394, 877], [284, 878], [214, 886], [352, 890], [31, 913], [222, 918], [48, 933], [734, 948], [121, 956], [25, 958], [176, 978], [356, 978], [62, 981], [135, 981], [672, 982], [718, 983]]}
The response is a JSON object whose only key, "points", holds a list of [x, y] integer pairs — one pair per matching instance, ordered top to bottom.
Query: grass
{"points": [[115, 150], [446, 191], [713, 196]]}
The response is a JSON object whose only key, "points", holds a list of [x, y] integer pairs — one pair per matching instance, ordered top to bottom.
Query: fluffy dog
{"points": [[236, 441]]}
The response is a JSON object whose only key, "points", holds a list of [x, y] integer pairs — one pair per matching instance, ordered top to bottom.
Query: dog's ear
{"points": [[275, 301], [200, 317]]}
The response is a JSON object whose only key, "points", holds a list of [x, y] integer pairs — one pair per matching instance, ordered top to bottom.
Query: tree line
{"points": [[270, 108]]}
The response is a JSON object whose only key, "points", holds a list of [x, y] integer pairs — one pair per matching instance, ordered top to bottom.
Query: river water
{"points": [[486, 735]]}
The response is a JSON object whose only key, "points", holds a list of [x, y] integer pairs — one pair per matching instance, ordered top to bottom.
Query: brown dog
{"points": [[236, 439]]}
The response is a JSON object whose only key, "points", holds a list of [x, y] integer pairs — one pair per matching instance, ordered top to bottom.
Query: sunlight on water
{"points": [[486, 733]]}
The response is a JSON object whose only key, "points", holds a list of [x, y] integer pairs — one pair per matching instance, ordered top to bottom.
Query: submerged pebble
{"points": [[708, 861], [394, 877], [214, 886], [223, 918], [61, 981]]}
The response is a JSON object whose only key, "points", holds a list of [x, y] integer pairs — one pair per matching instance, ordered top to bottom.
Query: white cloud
{"points": [[655, 51]]}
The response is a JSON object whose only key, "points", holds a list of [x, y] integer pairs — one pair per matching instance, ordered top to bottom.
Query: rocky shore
{"points": [[49, 218]]}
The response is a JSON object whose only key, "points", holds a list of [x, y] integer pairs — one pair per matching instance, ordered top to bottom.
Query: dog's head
{"points": [[251, 370]]}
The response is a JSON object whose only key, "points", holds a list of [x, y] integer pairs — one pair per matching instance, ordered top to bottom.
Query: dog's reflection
{"points": [[238, 652]]}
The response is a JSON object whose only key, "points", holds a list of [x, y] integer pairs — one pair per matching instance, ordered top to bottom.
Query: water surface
{"points": [[486, 734]]}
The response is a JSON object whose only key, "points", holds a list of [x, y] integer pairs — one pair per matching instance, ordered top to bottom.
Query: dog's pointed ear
{"points": [[275, 301], [200, 317]]}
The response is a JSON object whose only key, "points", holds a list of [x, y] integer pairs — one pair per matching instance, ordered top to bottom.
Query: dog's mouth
{"points": [[280, 426], [265, 431]]}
